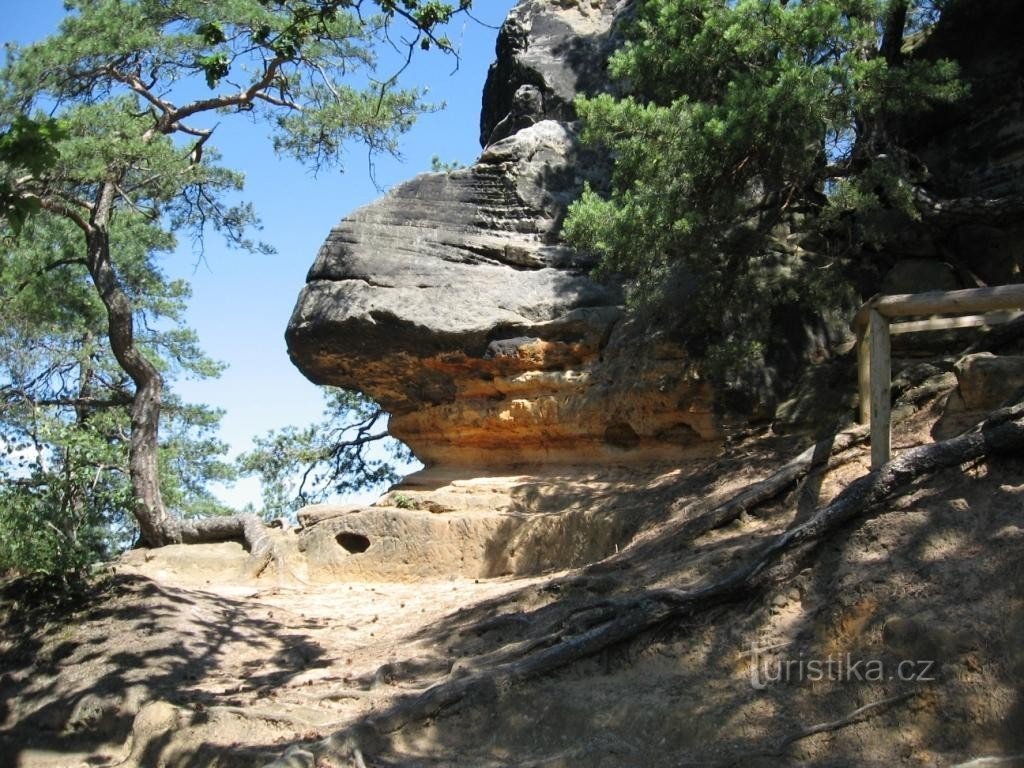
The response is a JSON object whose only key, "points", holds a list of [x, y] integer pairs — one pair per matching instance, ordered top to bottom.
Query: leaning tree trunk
{"points": [[157, 526]]}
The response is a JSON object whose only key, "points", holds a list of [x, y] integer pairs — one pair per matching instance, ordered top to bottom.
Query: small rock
{"points": [[987, 381], [1009, 533]]}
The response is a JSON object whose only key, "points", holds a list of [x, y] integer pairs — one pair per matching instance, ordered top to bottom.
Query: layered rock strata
{"points": [[453, 304]]}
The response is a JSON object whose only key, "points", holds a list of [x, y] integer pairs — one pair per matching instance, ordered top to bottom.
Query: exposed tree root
{"points": [[695, 522], [249, 529], [605, 623], [854, 717], [281, 718]]}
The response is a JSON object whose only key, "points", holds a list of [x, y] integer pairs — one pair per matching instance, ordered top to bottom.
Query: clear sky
{"points": [[241, 302]]}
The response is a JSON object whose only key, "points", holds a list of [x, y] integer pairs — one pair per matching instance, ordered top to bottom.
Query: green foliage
{"points": [[743, 122], [29, 146], [106, 159], [437, 165], [64, 405], [348, 451], [191, 458], [403, 501], [42, 534]]}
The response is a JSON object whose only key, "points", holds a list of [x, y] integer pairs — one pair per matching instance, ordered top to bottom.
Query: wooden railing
{"points": [[874, 326]]}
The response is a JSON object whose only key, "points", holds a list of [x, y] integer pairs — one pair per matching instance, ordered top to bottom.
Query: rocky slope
{"points": [[912, 613]]}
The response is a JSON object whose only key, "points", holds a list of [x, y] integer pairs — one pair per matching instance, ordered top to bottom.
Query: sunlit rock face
{"points": [[451, 301]]}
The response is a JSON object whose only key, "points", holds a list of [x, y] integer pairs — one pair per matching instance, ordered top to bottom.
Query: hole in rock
{"points": [[621, 435], [353, 543]]}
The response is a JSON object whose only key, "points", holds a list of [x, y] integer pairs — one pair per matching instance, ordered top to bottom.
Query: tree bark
{"points": [[892, 37], [156, 525]]}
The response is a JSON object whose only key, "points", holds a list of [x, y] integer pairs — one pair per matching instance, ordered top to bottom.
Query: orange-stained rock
{"points": [[453, 303]]}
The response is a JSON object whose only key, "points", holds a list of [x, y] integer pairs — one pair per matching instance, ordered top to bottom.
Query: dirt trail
{"points": [[178, 663], [268, 665]]}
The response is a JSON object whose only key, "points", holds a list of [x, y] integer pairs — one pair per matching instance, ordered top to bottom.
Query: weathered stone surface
{"points": [[547, 53], [975, 147], [454, 261], [452, 302], [987, 381], [439, 524], [396, 544]]}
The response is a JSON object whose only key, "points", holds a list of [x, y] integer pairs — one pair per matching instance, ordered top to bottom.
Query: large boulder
{"points": [[452, 302], [988, 381]]}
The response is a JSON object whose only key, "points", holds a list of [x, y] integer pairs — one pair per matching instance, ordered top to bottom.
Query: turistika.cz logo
{"points": [[770, 669]]}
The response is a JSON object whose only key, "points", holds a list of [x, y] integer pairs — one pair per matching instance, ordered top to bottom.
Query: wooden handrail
{"points": [[942, 303], [1000, 304]]}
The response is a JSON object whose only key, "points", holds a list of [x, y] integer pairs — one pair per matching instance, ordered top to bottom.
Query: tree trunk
{"points": [[894, 26], [157, 526]]}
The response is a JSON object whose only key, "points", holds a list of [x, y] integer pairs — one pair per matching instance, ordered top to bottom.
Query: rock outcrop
{"points": [[547, 53], [976, 146], [973, 149], [453, 304], [440, 524]]}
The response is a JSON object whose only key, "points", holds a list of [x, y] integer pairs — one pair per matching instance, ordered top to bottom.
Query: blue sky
{"points": [[241, 302]]}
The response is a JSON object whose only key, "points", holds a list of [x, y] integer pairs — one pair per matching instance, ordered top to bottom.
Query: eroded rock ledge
{"points": [[451, 302]]}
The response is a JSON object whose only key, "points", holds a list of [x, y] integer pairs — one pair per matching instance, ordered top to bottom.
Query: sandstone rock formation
{"points": [[547, 53], [974, 148], [452, 303], [988, 381], [438, 524]]}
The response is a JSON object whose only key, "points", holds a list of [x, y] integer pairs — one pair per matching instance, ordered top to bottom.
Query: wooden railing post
{"points": [[1000, 304], [880, 361], [864, 375]]}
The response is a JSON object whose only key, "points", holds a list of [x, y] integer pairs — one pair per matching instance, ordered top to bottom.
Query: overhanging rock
{"points": [[452, 302]]}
